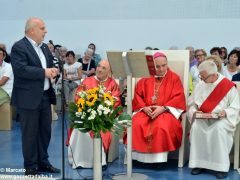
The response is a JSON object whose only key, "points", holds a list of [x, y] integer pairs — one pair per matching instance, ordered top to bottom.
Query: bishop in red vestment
{"points": [[158, 104]]}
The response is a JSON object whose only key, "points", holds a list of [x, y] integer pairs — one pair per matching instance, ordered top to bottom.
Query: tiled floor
{"points": [[11, 157]]}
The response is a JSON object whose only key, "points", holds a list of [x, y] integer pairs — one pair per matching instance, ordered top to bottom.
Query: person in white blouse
{"points": [[200, 55], [232, 66], [6, 74], [72, 75]]}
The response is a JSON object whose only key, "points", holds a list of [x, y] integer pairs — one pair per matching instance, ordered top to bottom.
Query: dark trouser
{"points": [[36, 133]]}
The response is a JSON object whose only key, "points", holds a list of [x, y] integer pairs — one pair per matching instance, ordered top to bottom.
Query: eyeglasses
{"points": [[199, 55], [204, 79]]}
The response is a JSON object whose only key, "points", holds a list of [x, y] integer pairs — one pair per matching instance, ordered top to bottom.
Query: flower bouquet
{"points": [[94, 111]]}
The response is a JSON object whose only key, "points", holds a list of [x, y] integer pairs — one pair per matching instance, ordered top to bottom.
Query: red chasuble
{"points": [[110, 85], [216, 95], [164, 133]]}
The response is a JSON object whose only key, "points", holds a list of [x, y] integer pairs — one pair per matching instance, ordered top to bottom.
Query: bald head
{"points": [[31, 23], [35, 29], [103, 69]]}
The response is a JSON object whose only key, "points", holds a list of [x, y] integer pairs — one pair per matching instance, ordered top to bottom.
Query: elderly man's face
{"points": [[38, 32], [161, 66], [102, 70], [207, 78]]}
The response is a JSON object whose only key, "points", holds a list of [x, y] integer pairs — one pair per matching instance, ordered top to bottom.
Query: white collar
{"points": [[34, 44], [99, 80]]}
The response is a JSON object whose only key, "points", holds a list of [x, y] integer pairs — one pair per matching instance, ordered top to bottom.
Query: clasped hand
{"points": [[51, 72], [153, 111]]}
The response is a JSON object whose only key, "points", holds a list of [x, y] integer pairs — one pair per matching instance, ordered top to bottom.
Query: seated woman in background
{"points": [[200, 55], [224, 55], [96, 57], [217, 60], [88, 64], [232, 65], [72, 75], [6, 77]]}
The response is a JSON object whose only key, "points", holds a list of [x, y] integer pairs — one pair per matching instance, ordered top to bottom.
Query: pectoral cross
{"points": [[154, 98]]}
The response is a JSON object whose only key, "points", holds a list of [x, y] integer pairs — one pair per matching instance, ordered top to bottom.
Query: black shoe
{"points": [[104, 167], [49, 169], [31, 171], [196, 171], [221, 175]]}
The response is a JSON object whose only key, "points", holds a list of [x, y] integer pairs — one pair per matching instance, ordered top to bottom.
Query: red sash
{"points": [[216, 96]]}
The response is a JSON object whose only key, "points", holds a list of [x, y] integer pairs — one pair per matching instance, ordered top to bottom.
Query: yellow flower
{"points": [[95, 90], [92, 91], [108, 97], [91, 99], [80, 104]]}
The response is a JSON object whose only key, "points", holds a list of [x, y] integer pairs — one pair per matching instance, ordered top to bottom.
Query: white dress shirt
{"points": [[42, 58]]}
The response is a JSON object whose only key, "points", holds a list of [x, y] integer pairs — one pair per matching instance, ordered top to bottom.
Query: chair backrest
{"points": [[238, 88]]}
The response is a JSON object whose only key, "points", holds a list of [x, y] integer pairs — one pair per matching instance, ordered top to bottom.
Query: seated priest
{"points": [[158, 104], [214, 111], [80, 149]]}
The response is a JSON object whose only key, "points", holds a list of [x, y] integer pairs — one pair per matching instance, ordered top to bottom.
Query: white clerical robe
{"points": [[211, 140], [82, 157]]}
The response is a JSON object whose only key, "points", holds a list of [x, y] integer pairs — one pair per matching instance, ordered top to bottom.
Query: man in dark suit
{"points": [[33, 95]]}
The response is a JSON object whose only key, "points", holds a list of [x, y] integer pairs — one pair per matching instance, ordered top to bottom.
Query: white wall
{"points": [[125, 24]]}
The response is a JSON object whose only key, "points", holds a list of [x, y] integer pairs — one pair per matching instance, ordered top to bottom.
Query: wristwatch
{"points": [[166, 108]]}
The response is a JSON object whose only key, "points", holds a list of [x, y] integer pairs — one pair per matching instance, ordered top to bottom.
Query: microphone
{"points": [[51, 42]]}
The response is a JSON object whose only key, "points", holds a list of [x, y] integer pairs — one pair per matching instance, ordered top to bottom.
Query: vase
{"points": [[97, 157]]}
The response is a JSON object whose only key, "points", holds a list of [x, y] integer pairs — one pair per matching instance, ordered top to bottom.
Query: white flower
{"points": [[101, 91], [107, 102], [100, 107], [106, 110], [93, 112], [99, 112], [78, 114], [83, 115], [93, 115], [78, 122]]}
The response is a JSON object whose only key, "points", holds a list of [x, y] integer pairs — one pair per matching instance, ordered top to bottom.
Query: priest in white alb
{"points": [[214, 111]]}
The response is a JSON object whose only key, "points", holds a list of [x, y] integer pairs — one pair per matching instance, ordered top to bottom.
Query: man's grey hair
{"points": [[31, 23], [63, 48], [88, 50], [209, 66]]}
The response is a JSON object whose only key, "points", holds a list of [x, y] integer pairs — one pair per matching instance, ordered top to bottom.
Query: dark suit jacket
{"points": [[29, 75], [236, 77]]}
